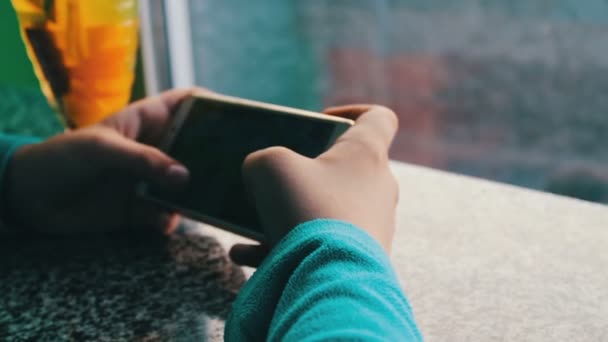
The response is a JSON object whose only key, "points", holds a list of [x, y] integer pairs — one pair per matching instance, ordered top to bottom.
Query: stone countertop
{"points": [[479, 261], [115, 288]]}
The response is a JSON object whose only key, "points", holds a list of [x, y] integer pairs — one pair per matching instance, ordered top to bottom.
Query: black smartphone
{"points": [[212, 134]]}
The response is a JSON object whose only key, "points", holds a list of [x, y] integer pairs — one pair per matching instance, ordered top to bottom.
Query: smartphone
{"points": [[212, 134]]}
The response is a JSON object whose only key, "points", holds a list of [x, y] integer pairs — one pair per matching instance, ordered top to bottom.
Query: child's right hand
{"points": [[351, 182]]}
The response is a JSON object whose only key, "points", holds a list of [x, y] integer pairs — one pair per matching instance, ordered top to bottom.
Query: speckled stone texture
{"points": [[118, 287]]}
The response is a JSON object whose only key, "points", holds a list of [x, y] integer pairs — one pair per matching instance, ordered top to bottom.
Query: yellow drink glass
{"points": [[83, 53]]}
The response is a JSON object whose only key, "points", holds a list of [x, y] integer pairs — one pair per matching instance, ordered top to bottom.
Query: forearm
{"points": [[8, 145], [325, 280]]}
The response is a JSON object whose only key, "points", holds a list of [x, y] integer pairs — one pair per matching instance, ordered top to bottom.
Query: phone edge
{"points": [[273, 107], [209, 220]]}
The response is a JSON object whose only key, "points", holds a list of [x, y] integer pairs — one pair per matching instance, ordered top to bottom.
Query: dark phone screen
{"points": [[213, 143]]}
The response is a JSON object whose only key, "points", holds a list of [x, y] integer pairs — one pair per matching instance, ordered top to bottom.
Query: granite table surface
{"points": [[479, 261], [116, 287]]}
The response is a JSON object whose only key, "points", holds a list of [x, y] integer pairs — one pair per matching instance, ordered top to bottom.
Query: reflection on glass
{"points": [[83, 54], [513, 90]]}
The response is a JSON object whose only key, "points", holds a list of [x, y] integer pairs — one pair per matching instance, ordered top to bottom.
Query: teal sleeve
{"points": [[8, 145], [326, 280]]}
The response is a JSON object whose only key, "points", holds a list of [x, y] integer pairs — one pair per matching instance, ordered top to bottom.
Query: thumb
{"points": [[148, 163], [249, 255]]}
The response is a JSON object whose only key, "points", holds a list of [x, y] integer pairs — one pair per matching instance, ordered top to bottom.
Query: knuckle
{"points": [[384, 110], [387, 113], [95, 139], [278, 152], [372, 152], [367, 154], [147, 159], [254, 160]]}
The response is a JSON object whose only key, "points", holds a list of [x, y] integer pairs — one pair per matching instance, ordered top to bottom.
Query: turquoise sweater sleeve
{"points": [[8, 145], [326, 280]]}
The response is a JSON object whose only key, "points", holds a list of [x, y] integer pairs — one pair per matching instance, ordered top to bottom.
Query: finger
{"points": [[170, 99], [353, 111], [155, 113], [147, 119], [371, 136], [268, 158], [144, 162], [267, 164], [270, 179], [147, 216], [173, 221], [249, 255]]}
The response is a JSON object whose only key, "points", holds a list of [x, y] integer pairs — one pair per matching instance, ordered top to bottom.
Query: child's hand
{"points": [[83, 180], [351, 182]]}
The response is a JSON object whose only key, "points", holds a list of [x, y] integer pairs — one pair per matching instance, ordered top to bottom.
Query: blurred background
{"points": [[513, 90]]}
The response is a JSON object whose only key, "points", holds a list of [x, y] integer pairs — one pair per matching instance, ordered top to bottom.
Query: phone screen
{"points": [[213, 142]]}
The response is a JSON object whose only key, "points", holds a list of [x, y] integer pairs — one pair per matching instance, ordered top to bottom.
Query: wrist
{"points": [[332, 231]]}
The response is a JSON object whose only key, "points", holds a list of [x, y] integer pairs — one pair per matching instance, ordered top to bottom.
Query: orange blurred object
{"points": [[83, 53]]}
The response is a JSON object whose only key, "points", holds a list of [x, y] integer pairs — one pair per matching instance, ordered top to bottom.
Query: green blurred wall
{"points": [[15, 67]]}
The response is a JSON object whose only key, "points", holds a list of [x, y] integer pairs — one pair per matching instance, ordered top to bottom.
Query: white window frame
{"points": [[166, 44]]}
